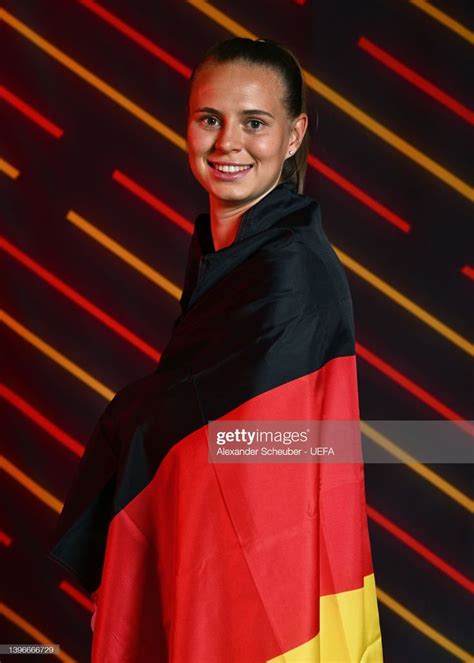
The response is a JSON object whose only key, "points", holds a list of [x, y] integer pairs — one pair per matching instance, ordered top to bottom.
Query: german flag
{"points": [[193, 561]]}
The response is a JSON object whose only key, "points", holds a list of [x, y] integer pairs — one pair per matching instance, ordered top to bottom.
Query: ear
{"points": [[298, 130]]}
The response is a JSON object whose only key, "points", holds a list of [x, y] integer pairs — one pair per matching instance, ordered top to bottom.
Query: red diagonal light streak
{"points": [[137, 37], [415, 79], [30, 112], [357, 192], [153, 201], [468, 271], [79, 299], [413, 388], [40, 420], [5, 539], [421, 549], [75, 594]]}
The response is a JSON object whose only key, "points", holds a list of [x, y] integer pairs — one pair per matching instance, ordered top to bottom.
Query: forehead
{"points": [[236, 85]]}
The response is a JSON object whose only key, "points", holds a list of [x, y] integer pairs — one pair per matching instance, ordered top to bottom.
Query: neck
{"points": [[225, 221], [225, 225]]}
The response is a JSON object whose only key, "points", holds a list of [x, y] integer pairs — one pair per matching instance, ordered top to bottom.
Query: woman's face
{"points": [[236, 116]]}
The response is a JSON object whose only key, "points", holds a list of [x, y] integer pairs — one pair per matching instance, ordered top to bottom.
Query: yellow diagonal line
{"points": [[443, 18], [94, 80], [349, 108], [8, 169], [128, 257], [405, 303], [56, 356], [420, 469], [27, 482], [422, 626], [32, 631]]}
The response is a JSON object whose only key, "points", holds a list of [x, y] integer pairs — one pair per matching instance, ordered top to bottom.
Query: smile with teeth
{"points": [[228, 169]]}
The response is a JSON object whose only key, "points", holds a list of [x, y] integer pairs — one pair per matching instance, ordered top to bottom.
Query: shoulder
{"points": [[318, 265]]}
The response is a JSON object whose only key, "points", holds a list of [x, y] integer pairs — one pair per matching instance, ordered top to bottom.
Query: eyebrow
{"points": [[253, 111]]}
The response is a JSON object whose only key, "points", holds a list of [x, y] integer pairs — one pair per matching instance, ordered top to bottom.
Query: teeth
{"points": [[230, 169]]}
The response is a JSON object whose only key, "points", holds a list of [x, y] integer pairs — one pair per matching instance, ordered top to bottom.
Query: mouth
{"points": [[229, 171]]}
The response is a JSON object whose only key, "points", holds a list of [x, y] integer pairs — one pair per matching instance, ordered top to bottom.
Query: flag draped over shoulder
{"points": [[201, 562]]}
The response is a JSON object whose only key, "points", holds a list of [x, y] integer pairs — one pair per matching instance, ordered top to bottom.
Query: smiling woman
{"points": [[247, 129], [191, 560]]}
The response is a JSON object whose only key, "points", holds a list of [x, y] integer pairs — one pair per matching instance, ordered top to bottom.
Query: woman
{"points": [[191, 560]]}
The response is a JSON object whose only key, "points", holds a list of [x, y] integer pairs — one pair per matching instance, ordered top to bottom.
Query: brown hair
{"points": [[271, 54]]}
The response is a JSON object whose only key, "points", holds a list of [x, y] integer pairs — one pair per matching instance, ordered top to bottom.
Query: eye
{"points": [[208, 117], [211, 121], [259, 122]]}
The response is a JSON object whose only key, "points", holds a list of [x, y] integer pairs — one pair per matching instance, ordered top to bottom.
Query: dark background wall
{"points": [[418, 372]]}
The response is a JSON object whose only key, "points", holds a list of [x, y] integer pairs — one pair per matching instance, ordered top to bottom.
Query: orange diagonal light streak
{"points": [[444, 19], [93, 80], [8, 169], [131, 259], [79, 299], [406, 303], [56, 356], [413, 464], [32, 486], [422, 626], [32, 631]]}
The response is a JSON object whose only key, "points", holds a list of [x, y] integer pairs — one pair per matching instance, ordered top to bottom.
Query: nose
{"points": [[229, 137]]}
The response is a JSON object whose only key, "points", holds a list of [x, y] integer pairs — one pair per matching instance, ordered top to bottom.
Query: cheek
{"points": [[198, 141], [266, 147]]}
